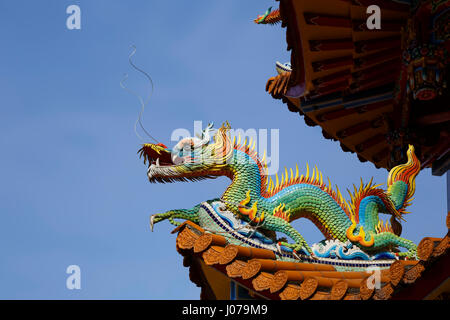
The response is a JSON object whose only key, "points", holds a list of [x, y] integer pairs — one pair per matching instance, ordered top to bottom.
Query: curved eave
{"points": [[349, 77]]}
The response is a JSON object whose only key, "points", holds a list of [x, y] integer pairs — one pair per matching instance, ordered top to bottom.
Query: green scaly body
{"points": [[252, 196]]}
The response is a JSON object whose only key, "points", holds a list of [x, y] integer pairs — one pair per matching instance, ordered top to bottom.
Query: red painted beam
{"points": [[384, 4], [327, 20], [389, 25], [334, 44], [377, 44], [392, 55], [332, 63], [378, 70], [332, 78], [372, 83], [324, 90], [333, 115], [359, 127], [341, 134], [370, 142], [381, 155]]}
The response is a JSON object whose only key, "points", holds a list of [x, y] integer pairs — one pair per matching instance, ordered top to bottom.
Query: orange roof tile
{"points": [[260, 272]]}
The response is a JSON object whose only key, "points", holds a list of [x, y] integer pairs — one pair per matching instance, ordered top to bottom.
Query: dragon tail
{"points": [[401, 181]]}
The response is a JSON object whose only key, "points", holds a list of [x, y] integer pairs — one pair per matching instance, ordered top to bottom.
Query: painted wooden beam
{"points": [[402, 6], [386, 25], [377, 44], [329, 45], [393, 55], [329, 64], [382, 69], [332, 78], [335, 87], [337, 114], [359, 127], [373, 141], [380, 155]]}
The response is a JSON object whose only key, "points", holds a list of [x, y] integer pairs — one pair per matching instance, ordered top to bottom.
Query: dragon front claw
{"points": [[157, 217], [152, 221]]}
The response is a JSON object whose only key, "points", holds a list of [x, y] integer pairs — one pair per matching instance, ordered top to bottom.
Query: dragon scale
{"points": [[271, 206]]}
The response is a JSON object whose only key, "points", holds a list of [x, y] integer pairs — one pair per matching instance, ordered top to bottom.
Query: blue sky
{"points": [[73, 190]]}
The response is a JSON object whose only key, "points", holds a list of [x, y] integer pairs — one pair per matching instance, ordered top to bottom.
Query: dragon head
{"points": [[192, 158]]}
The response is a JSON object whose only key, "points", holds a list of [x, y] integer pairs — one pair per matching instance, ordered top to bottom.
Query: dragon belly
{"points": [[215, 218]]}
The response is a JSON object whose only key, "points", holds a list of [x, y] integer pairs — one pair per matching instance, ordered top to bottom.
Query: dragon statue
{"points": [[254, 208]]}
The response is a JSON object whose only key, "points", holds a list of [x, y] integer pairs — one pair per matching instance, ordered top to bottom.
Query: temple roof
{"points": [[346, 79], [213, 262]]}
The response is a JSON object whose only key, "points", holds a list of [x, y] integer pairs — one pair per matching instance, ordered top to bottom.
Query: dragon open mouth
{"points": [[191, 159], [159, 160], [163, 164]]}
